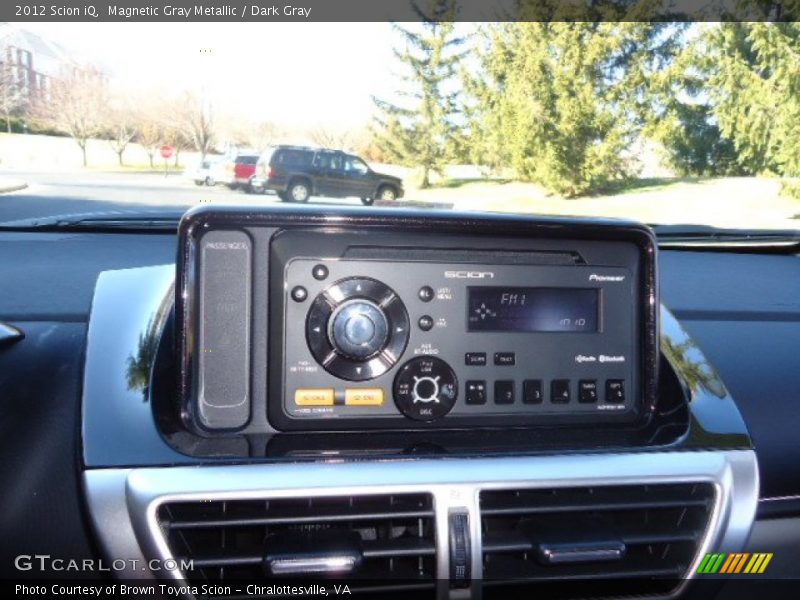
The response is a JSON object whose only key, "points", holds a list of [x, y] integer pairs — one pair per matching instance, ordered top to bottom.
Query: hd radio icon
{"points": [[734, 563]]}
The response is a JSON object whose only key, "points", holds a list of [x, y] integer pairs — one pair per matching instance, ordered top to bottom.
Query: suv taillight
{"points": [[269, 174]]}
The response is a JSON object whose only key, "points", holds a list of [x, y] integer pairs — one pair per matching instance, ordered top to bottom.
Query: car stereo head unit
{"points": [[307, 320]]}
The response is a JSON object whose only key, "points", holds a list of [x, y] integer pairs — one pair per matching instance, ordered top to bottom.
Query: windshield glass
{"points": [[666, 123]]}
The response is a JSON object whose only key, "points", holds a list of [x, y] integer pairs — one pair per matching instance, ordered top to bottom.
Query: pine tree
{"points": [[752, 74], [562, 103], [682, 118], [422, 131]]}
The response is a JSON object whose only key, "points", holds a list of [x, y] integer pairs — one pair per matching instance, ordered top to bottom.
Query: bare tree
{"points": [[12, 94], [76, 105], [195, 121], [122, 123], [150, 134], [257, 135], [329, 137]]}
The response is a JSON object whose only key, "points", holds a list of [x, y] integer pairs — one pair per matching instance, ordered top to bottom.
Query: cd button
{"points": [[425, 323], [475, 359], [505, 359], [532, 391], [559, 391], [587, 391], [615, 391], [476, 392], [504, 392], [313, 397], [363, 397]]}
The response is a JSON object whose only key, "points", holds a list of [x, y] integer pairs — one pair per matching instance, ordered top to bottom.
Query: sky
{"points": [[294, 74]]}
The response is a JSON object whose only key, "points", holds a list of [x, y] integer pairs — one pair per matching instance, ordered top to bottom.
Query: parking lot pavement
{"points": [[50, 194]]}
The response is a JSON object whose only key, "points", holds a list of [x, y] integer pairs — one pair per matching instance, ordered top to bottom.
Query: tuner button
{"points": [[316, 329], [358, 329], [425, 388]]}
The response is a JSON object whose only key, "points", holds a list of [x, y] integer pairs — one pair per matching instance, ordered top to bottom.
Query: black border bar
{"points": [[187, 11]]}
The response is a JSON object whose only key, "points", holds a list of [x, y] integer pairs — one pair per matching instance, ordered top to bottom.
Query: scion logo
{"points": [[469, 275], [614, 278], [733, 563]]}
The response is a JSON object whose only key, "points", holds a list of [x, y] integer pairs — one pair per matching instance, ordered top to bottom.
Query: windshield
{"points": [[666, 123]]}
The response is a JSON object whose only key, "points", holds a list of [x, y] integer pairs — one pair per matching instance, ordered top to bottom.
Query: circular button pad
{"points": [[357, 328], [425, 388]]}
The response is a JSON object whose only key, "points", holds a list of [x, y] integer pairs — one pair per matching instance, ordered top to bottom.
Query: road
{"points": [[52, 194]]}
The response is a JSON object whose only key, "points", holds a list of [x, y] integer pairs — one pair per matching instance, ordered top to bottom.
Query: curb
{"points": [[12, 186]]}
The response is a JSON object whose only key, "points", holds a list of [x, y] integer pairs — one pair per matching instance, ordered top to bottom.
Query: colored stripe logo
{"points": [[733, 563]]}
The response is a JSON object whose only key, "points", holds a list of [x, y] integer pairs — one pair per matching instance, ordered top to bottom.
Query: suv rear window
{"points": [[293, 158], [246, 160]]}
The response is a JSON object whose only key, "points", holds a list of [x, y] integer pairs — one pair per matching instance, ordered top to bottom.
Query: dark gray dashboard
{"points": [[743, 311]]}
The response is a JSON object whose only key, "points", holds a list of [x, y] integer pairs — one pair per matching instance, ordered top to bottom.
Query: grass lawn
{"points": [[745, 202]]}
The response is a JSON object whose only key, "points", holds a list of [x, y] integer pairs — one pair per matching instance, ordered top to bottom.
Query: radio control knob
{"points": [[358, 329], [425, 388]]}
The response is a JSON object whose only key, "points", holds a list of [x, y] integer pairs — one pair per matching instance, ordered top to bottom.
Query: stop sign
{"points": [[166, 151]]}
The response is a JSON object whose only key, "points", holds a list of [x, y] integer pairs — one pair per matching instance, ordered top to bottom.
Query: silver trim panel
{"points": [[121, 497]]}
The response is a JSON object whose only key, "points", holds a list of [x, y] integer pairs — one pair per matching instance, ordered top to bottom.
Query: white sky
{"points": [[295, 74]]}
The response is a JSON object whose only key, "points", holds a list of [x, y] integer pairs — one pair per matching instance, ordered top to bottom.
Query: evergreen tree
{"points": [[752, 74], [562, 103], [682, 119], [422, 131]]}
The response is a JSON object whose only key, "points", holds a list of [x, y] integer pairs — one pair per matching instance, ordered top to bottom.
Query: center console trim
{"points": [[128, 499]]}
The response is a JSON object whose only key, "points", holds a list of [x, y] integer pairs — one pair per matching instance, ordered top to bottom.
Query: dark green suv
{"points": [[296, 173]]}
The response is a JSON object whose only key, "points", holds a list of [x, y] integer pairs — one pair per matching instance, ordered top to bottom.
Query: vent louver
{"points": [[634, 539], [374, 543]]}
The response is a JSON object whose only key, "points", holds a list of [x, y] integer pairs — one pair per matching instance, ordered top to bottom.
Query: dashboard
{"points": [[387, 424]]}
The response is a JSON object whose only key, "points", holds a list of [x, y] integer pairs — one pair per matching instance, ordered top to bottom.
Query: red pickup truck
{"points": [[243, 167]]}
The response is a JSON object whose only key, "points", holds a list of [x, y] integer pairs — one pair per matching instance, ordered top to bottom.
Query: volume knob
{"points": [[358, 329]]}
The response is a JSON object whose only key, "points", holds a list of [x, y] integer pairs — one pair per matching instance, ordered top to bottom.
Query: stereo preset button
{"points": [[319, 272], [299, 293], [426, 293], [425, 323], [475, 359], [505, 359], [532, 391], [559, 391], [587, 391], [615, 391], [476, 392], [504, 392], [314, 397], [363, 397]]}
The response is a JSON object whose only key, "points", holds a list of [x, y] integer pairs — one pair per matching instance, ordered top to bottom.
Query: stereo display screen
{"points": [[532, 309]]}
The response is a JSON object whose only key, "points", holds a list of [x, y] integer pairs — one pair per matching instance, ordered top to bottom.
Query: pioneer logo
{"points": [[469, 275], [615, 278]]}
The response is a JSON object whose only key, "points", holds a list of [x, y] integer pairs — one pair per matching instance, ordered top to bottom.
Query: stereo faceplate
{"points": [[302, 319], [538, 332]]}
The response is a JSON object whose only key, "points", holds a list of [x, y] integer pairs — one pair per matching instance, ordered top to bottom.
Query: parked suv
{"points": [[296, 172]]}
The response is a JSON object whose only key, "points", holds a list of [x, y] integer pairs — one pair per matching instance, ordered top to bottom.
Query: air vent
{"points": [[636, 540], [377, 543]]}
